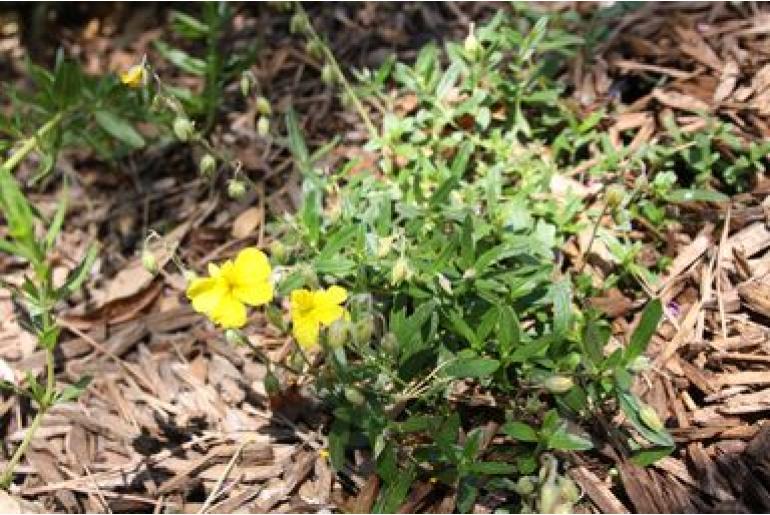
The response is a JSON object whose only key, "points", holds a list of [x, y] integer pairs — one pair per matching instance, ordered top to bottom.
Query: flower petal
{"points": [[252, 265], [205, 294], [254, 294], [336, 294], [301, 300], [327, 307], [229, 313], [305, 331]]}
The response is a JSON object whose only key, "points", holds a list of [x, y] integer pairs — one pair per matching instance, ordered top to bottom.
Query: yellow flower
{"points": [[135, 77], [223, 296], [311, 309]]}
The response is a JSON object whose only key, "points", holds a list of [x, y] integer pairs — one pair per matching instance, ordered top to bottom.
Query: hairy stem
{"points": [[31, 142]]}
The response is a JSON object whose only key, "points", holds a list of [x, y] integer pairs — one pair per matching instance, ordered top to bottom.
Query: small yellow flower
{"points": [[135, 77], [224, 295], [311, 309], [323, 453]]}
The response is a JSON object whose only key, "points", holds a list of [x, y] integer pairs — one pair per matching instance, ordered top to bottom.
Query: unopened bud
{"points": [[298, 23], [471, 44], [314, 48], [328, 74], [245, 84], [263, 106], [263, 126], [183, 128], [207, 165], [236, 189], [614, 195], [383, 247], [278, 250], [149, 262], [400, 271], [445, 284], [364, 330], [338, 333], [234, 337], [389, 343], [572, 360], [558, 384], [354, 396], [649, 416], [525, 485], [568, 490], [549, 496]]}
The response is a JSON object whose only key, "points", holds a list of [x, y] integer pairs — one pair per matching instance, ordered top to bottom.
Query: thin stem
{"points": [[31, 142], [593, 237], [7, 476]]}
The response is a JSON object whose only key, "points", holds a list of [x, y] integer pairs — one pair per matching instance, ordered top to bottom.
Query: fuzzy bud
{"points": [[298, 23], [471, 45], [314, 48], [328, 75], [245, 84], [263, 106], [263, 126], [183, 128], [207, 165], [236, 189], [614, 195], [384, 245], [278, 251], [149, 262], [400, 271], [445, 284], [364, 330], [338, 333], [389, 343], [639, 364], [558, 384], [353, 396], [649, 416], [525, 485], [568, 490], [549, 497]]}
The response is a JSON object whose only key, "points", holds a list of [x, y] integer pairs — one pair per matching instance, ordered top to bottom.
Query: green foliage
{"points": [[450, 243]]}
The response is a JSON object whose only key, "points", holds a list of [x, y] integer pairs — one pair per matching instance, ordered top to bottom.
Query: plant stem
{"points": [[30, 143], [593, 237], [7, 476]]}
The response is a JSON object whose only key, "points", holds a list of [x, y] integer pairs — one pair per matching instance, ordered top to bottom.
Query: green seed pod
{"points": [[298, 23], [471, 45], [314, 48], [328, 74], [245, 84], [263, 106], [263, 126], [183, 128], [207, 165], [236, 189], [614, 195], [384, 245], [278, 251], [149, 262], [400, 271], [364, 330], [338, 333], [234, 337], [389, 343], [558, 384], [272, 385], [354, 396], [649, 416], [525, 485], [568, 490], [549, 497], [565, 507]]}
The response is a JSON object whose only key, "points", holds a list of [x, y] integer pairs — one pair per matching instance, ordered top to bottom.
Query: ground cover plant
{"points": [[477, 282]]}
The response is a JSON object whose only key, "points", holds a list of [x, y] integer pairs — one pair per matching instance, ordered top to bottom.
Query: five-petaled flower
{"points": [[135, 77], [224, 295], [312, 309]]}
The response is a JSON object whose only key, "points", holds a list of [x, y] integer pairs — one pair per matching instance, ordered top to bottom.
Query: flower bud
{"points": [[298, 23], [471, 45], [314, 48], [328, 74], [245, 84], [263, 106], [263, 126], [183, 128], [208, 165], [236, 189], [614, 195], [384, 245], [278, 250], [149, 262], [400, 271], [189, 275], [364, 330], [338, 333], [389, 343], [639, 364], [558, 384], [272, 385], [354, 396], [649, 416], [525, 485], [568, 490], [549, 496], [565, 507]]}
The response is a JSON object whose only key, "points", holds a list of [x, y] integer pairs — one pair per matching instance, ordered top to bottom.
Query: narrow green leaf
{"points": [[118, 128], [643, 333], [472, 368], [520, 431]]}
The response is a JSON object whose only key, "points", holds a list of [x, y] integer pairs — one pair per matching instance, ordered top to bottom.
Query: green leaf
{"points": [[182, 59], [118, 128], [297, 144], [684, 195], [57, 221], [78, 275], [463, 329], [644, 331], [509, 333], [595, 337], [474, 368], [73, 391], [630, 407], [520, 431], [339, 435], [565, 441], [648, 456], [492, 468], [467, 492]]}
